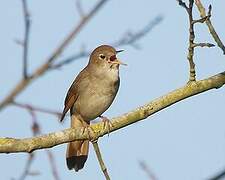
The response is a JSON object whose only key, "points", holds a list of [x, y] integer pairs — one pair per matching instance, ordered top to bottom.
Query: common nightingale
{"points": [[90, 95]]}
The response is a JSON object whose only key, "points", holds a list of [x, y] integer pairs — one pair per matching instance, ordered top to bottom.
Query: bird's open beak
{"points": [[117, 61]]}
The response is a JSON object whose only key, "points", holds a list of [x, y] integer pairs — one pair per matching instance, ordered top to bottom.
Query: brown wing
{"points": [[73, 92]]}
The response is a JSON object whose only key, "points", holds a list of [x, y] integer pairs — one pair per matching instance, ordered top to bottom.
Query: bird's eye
{"points": [[102, 56]]}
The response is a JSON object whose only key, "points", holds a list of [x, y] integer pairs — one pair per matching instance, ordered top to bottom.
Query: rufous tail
{"points": [[77, 151]]}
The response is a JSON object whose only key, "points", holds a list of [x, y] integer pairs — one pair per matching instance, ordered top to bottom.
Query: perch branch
{"points": [[10, 145]]}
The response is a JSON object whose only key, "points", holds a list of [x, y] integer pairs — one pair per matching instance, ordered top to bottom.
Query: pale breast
{"points": [[97, 97]]}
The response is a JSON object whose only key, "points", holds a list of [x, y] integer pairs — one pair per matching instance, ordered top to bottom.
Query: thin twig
{"points": [[182, 4], [79, 8], [202, 20], [192, 22], [209, 24], [76, 30], [26, 38], [131, 38], [127, 39], [209, 45], [45, 67], [37, 109], [35, 130], [100, 160], [53, 165], [27, 167], [147, 170], [218, 176]]}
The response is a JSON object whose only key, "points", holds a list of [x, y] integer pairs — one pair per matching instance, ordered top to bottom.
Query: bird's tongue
{"points": [[114, 60]]}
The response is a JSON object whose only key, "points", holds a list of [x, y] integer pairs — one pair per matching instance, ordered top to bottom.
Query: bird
{"points": [[90, 95]]}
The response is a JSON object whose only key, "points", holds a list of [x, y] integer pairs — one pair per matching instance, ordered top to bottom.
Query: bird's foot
{"points": [[106, 124], [90, 131]]}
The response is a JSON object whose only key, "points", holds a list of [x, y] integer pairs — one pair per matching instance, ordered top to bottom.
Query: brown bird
{"points": [[90, 95]]}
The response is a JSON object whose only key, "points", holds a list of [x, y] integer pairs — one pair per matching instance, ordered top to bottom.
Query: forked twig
{"points": [[208, 22]]}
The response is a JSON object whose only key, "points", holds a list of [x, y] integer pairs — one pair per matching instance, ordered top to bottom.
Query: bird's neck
{"points": [[105, 72]]}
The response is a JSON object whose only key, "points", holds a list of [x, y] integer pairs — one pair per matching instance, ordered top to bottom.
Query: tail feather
{"points": [[77, 151], [76, 157]]}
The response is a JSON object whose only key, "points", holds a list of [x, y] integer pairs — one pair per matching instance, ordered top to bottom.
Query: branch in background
{"points": [[79, 8], [209, 24], [26, 38], [129, 38], [192, 44], [70, 59], [45, 67], [37, 109], [36, 130], [10, 145], [53, 165], [27, 170], [147, 170], [218, 176]]}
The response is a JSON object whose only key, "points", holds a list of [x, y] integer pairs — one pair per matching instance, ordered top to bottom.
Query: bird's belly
{"points": [[92, 102], [94, 106]]}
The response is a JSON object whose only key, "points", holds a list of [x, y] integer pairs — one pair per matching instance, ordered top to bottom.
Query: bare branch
{"points": [[182, 4], [80, 9], [202, 20], [212, 30], [26, 38], [131, 38], [128, 39], [192, 44], [209, 45], [70, 59], [21, 85], [37, 109], [36, 130], [10, 145], [100, 160], [53, 165], [27, 167], [147, 170], [218, 176]]}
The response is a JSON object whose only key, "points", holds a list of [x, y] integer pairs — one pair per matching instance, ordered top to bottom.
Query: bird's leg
{"points": [[106, 123], [89, 129]]}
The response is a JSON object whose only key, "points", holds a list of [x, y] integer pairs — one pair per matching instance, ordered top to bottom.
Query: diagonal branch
{"points": [[129, 38], [21, 85], [10, 145], [147, 170]]}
